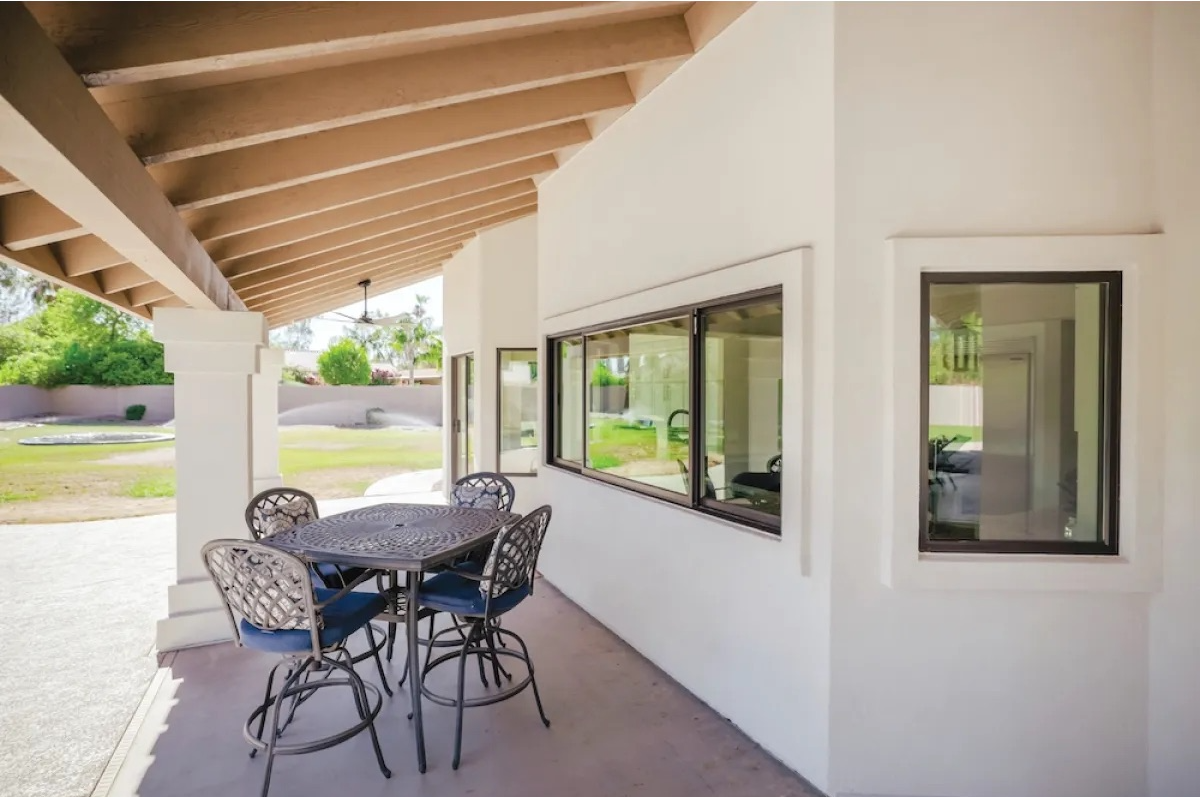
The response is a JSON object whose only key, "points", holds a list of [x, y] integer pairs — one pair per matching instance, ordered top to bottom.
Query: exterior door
{"points": [[463, 414]]}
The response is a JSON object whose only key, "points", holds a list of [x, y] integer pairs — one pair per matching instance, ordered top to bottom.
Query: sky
{"points": [[391, 303]]}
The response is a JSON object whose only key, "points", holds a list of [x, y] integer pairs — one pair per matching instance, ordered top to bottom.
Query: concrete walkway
{"points": [[82, 601]]}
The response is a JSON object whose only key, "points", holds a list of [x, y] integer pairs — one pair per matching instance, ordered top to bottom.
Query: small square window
{"points": [[1019, 412]]}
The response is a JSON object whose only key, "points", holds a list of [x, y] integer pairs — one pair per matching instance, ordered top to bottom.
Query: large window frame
{"points": [[1110, 393], [695, 499]]}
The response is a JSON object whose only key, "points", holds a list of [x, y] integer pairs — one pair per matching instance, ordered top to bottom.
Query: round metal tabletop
{"points": [[394, 536]]}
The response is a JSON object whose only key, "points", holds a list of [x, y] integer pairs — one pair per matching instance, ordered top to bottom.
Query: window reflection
{"points": [[1020, 387], [638, 403], [743, 405], [517, 408], [569, 420]]}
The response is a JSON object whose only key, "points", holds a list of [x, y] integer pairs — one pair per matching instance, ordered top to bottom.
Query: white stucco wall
{"points": [[973, 120], [727, 161], [490, 300], [1174, 716]]}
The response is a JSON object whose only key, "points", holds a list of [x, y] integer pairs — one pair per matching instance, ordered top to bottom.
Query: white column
{"points": [[213, 355], [264, 388]]}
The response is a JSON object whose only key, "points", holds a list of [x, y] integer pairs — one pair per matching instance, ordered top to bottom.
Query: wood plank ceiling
{"points": [[268, 156]]}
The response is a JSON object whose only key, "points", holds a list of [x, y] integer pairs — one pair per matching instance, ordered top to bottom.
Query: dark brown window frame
{"points": [[500, 352], [1110, 388], [695, 500]]}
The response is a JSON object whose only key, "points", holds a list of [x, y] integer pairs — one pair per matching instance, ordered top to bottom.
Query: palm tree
{"points": [[415, 339]]}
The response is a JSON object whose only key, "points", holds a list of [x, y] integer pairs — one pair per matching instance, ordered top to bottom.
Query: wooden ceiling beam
{"points": [[113, 45], [188, 124], [57, 140], [525, 152], [225, 176], [9, 184], [505, 197], [433, 201], [27, 220], [413, 236], [87, 254], [42, 262], [337, 269], [122, 278], [288, 285], [316, 290], [332, 301]]}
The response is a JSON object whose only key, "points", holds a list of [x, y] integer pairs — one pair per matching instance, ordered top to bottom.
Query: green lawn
{"points": [[973, 433], [613, 443], [41, 484]]}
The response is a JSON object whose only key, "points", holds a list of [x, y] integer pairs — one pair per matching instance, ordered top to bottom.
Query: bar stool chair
{"points": [[480, 600], [273, 607]]}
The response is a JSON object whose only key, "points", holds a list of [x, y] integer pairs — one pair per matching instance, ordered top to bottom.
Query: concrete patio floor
{"points": [[79, 652], [620, 727]]}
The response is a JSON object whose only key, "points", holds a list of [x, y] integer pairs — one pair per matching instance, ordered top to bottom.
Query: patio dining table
{"points": [[409, 538]]}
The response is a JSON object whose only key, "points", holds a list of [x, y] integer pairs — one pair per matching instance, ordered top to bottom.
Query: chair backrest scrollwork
{"points": [[483, 491], [279, 509], [268, 588]]}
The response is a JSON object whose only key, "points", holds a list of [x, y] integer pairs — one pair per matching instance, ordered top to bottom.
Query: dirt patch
{"points": [[155, 456], [83, 507]]}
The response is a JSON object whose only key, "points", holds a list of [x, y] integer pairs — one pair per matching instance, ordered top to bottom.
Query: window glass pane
{"points": [[569, 375], [1019, 392], [638, 403], [743, 405], [517, 406]]}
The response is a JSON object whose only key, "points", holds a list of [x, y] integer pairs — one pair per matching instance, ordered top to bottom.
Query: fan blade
{"points": [[347, 317], [389, 321]]}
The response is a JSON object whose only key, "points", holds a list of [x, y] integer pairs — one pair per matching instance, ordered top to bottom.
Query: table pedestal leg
{"points": [[395, 608], [411, 617]]}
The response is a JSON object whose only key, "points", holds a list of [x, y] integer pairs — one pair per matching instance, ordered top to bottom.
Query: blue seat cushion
{"points": [[334, 576], [449, 592], [342, 618]]}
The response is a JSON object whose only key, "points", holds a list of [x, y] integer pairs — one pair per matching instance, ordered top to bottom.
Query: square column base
{"points": [[195, 617]]}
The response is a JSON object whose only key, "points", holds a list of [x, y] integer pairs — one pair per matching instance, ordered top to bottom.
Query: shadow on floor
{"points": [[620, 727]]}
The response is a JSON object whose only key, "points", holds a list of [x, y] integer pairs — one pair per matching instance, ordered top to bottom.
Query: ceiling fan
{"points": [[365, 318]]}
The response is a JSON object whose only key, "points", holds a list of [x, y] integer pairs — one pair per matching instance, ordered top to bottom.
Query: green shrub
{"points": [[344, 363], [135, 412]]}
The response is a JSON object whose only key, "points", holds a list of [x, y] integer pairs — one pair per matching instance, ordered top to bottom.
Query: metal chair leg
{"points": [[378, 662], [497, 667], [532, 678], [292, 679], [364, 707], [458, 707], [262, 718]]}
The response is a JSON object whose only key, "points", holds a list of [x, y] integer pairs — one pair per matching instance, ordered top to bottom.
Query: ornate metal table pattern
{"points": [[397, 537]]}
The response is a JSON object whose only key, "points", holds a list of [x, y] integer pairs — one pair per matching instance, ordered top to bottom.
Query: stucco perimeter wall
{"points": [[728, 161], [22, 401], [322, 405]]}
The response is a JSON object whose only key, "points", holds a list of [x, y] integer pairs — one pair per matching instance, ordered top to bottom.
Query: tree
{"points": [[21, 293], [297, 336], [76, 340], [415, 340], [344, 363]]}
